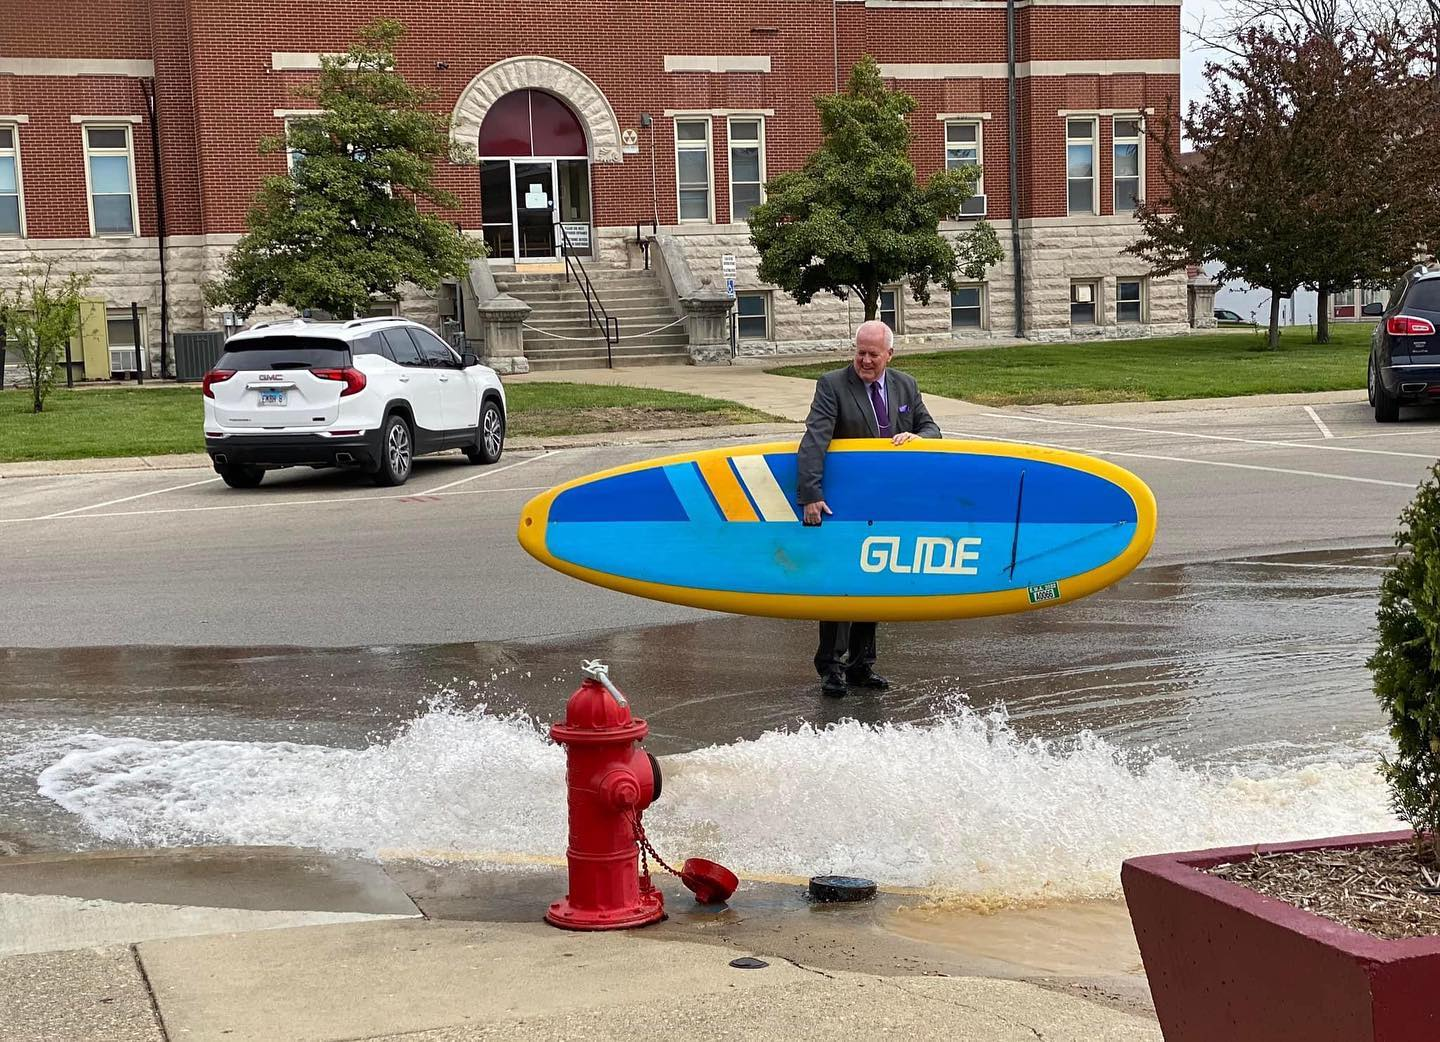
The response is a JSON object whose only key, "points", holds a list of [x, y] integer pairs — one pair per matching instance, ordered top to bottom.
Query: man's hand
{"points": [[904, 436], [813, 510]]}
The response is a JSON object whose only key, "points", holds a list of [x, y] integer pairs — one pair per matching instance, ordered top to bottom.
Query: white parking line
{"points": [[1319, 422], [1209, 437], [1182, 459], [489, 473], [123, 499], [271, 504], [1303, 564]]}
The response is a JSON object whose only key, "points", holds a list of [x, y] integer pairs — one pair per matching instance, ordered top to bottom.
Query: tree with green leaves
{"points": [[856, 218], [345, 223], [40, 314], [1406, 664]]}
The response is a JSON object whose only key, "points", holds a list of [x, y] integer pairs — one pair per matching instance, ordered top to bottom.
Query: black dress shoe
{"points": [[867, 678], [834, 684]]}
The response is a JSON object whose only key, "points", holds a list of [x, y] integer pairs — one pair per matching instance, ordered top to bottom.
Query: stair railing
{"points": [[609, 326]]}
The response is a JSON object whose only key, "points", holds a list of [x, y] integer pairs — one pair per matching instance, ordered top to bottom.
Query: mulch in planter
{"points": [[1381, 890]]}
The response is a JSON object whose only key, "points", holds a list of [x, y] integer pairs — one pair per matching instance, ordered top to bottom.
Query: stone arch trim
{"points": [[533, 72]]}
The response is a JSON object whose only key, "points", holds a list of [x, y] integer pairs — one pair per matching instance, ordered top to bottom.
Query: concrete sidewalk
{"points": [[358, 949]]}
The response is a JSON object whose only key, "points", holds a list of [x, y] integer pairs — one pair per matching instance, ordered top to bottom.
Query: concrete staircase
{"points": [[634, 298]]}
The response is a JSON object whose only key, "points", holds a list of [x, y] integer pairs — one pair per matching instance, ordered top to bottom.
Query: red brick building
{"points": [[622, 114]]}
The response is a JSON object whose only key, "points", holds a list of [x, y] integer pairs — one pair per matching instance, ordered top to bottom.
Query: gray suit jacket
{"points": [[841, 409]]}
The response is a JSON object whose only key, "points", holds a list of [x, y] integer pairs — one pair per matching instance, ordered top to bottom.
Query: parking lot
{"points": [[325, 558]]}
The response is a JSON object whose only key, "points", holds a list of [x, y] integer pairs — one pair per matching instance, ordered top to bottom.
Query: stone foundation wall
{"points": [[1056, 250]]}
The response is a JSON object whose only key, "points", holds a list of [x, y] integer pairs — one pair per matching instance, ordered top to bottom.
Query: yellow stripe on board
{"points": [[726, 489], [764, 489]]}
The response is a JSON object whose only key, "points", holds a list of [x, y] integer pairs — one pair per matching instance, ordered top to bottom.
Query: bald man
{"points": [[866, 399]]}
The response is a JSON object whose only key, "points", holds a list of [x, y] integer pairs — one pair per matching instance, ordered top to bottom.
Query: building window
{"points": [[964, 146], [1129, 163], [1080, 165], [747, 167], [693, 169], [110, 174], [12, 207], [1129, 301], [1083, 303], [889, 308], [967, 308], [752, 316], [120, 331]]}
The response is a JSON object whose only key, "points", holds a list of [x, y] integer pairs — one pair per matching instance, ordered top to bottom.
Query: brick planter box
{"points": [[1227, 963]]}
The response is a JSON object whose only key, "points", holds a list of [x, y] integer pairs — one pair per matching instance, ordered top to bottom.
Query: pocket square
{"points": [[904, 408]]}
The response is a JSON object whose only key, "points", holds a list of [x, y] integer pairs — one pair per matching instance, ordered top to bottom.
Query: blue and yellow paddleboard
{"points": [[927, 530]]}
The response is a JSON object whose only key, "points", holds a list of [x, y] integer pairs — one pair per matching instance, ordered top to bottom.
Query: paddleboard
{"points": [[930, 529]]}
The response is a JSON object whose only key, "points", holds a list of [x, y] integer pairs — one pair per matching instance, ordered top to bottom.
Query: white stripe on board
{"points": [[763, 488]]}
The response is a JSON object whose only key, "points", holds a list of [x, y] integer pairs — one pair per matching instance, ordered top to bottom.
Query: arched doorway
{"points": [[534, 171]]}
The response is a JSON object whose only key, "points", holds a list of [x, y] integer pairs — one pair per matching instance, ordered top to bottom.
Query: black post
{"points": [[149, 87], [1012, 135], [2, 356], [141, 360], [69, 372]]}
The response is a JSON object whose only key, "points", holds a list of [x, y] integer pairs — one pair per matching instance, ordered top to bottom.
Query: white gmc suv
{"points": [[371, 393]]}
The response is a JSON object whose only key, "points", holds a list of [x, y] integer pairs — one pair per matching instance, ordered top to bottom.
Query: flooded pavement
{"points": [[1017, 758]]}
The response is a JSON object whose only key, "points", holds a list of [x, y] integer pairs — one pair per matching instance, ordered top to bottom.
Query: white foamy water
{"points": [[962, 804]]}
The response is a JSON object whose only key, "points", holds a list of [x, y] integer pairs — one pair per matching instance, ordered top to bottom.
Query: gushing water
{"points": [[963, 803]]}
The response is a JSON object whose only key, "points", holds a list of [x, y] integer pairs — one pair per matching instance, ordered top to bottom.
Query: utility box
{"points": [[197, 353]]}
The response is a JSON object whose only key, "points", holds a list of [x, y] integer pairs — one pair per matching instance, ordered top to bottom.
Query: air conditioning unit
{"points": [[973, 207], [122, 360]]}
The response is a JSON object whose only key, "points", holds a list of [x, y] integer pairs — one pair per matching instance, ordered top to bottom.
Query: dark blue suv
{"points": [[1405, 350]]}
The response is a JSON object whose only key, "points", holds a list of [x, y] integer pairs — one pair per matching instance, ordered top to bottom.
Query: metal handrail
{"points": [[609, 325]]}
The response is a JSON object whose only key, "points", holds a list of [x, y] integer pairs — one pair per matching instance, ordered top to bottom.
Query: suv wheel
{"points": [[1370, 380], [1387, 407], [490, 439], [397, 453], [239, 476]]}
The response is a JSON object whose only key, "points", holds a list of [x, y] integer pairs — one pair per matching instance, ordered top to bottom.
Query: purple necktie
{"points": [[882, 411]]}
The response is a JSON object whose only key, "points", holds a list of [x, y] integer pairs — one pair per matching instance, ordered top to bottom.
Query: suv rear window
{"points": [[1424, 296], [284, 352]]}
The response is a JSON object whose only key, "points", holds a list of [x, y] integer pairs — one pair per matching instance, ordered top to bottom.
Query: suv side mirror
{"points": [[1373, 309], [468, 358]]}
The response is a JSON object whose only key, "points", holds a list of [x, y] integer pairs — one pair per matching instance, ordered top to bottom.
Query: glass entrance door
{"points": [[534, 183]]}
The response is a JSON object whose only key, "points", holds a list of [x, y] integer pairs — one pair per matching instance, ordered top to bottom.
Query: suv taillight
{"points": [[1406, 325], [214, 376], [354, 379]]}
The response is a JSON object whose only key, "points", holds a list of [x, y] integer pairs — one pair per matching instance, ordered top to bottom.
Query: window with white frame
{"points": [[964, 146], [1129, 163], [747, 166], [1080, 166], [693, 170], [110, 175], [12, 206], [1129, 301], [1084, 302], [967, 308], [888, 310], [752, 316], [120, 331]]}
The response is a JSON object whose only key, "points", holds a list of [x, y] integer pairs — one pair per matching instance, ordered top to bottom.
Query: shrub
{"points": [[1406, 664]]}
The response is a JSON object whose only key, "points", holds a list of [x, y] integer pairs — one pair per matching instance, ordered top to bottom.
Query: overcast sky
{"points": [[1192, 55]]}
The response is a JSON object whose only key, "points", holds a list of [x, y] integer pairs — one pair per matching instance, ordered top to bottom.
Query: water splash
{"points": [[962, 804]]}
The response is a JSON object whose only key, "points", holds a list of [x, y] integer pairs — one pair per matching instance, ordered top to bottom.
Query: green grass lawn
{"points": [[1210, 365], [132, 421]]}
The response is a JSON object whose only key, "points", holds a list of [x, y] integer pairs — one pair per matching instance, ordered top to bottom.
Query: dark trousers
{"points": [[839, 639]]}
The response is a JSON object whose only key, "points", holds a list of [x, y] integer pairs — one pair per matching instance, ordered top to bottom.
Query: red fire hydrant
{"points": [[611, 780]]}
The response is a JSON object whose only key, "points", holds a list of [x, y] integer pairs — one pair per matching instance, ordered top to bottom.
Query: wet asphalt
{"points": [[1236, 639]]}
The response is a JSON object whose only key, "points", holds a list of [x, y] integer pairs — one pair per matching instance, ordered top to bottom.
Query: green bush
{"points": [[1406, 664]]}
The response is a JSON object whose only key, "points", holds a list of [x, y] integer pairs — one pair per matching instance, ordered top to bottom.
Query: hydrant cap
{"points": [[592, 711]]}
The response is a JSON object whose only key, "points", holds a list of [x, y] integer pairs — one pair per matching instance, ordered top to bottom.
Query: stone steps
{"points": [[634, 299]]}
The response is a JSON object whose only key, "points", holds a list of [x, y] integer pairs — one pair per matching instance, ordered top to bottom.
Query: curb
{"points": [[200, 461]]}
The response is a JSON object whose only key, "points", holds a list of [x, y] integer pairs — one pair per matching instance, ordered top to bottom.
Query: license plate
{"points": [[272, 397]]}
